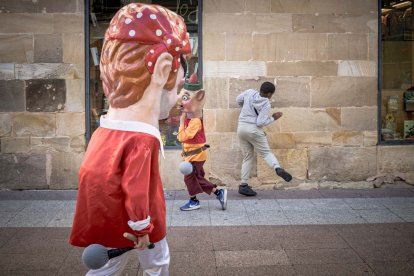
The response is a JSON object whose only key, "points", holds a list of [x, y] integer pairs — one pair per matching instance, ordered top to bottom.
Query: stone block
{"points": [[38, 6], [81, 6], [223, 6], [258, 6], [308, 6], [361, 7], [26, 23], [67, 23], [231, 23], [273, 23], [333, 23], [214, 46], [264, 46], [301, 46], [347, 46], [238, 47], [373, 47], [16, 48], [48, 48], [72, 51], [302, 68], [357, 68], [235, 69], [6, 71], [48, 71], [238, 86], [343, 91], [292, 92], [217, 93], [45, 95], [75, 96], [12, 97], [359, 118], [209, 120], [226, 120], [307, 120], [5, 124], [34, 124], [70, 124], [347, 138], [370, 138], [312, 139], [280, 140], [222, 141], [77, 143], [15, 144], [49, 144], [393, 159], [292, 160], [342, 163], [225, 166], [64, 170], [23, 171], [171, 177]]}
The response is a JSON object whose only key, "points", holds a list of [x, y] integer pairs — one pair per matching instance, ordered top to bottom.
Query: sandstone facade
{"points": [[323, 55]]}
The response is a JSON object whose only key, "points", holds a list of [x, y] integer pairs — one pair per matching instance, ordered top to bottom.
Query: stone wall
{"points": [[323, 56], [42, 110]]}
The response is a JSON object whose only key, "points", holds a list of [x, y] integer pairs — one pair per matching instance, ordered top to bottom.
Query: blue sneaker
{"points": [[222, 197], [191, 205]]}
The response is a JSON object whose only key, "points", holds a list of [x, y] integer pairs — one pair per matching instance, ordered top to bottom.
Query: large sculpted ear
{"points": [[162, 70], [200, 95]]}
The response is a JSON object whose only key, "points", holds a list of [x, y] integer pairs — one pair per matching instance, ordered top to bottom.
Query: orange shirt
{"points": [[186, 133], [119, 181]]}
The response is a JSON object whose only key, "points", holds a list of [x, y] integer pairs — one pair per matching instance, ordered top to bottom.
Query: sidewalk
{"points": [[314, 232]]}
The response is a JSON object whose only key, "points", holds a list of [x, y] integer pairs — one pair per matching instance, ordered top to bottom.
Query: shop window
{"points": [[100, 13], [397, 72]]}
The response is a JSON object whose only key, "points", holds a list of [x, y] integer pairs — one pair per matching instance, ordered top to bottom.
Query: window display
{"points": [[101, 12], [397, 69]]}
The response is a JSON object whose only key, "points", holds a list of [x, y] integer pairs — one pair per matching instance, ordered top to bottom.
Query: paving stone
{"points": [[295, 194], [364, 203], [261, 204], [296, 204], [330, 204], [406, 214], [379, 216], [200, 217], [269, 217], [300, 217], [341, 217], [200, 239], [321, 242], [386, 252], [323, 256], [247, 258], [202, 263], [392, 268], [333, 269], [265, 270]]}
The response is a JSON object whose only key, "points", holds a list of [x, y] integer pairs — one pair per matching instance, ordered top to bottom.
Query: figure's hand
{"points": [[277, 115], [183, 117], [142, 243]]}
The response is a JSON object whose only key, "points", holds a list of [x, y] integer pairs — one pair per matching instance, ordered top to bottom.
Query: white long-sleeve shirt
{"points": [[249, 100]]}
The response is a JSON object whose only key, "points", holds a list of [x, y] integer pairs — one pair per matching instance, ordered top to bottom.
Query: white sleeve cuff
{"points": [[139, 225]]}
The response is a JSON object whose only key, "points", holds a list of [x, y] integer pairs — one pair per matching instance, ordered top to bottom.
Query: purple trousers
{"points": [[196, 183]]}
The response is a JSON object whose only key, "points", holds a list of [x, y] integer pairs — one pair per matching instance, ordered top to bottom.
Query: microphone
{"points": [[96, 256]]}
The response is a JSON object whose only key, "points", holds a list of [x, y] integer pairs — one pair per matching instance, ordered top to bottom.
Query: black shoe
{"points": [[283, 174], [246, 190]]}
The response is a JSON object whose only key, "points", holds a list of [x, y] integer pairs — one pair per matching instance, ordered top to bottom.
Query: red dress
{"points": [[119, 181]]}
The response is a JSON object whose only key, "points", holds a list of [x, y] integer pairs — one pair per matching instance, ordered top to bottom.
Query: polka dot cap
{"points": [[151, 25]]}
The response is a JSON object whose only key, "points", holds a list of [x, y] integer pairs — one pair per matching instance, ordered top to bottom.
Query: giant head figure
{"points": [[140, 37], [191, 98]]}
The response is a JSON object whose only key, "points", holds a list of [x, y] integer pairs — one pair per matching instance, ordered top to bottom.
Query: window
{"points": [[100, 13], [397, 72]]}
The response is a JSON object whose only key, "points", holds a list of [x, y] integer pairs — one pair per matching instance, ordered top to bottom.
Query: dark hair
{"points": [[267, 87]]}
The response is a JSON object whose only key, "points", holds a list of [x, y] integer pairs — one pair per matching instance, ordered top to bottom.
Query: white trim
{"points": [[133, 126], [140, 224]]}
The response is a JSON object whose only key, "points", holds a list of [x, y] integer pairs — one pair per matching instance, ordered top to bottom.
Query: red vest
{"points": [[200, 136]]}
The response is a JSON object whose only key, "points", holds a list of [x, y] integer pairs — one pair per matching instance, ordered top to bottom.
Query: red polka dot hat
{"points": [[151, 25]]}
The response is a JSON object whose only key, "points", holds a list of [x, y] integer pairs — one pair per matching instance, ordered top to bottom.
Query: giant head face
{"points": [[138, 34], [191, 98]]}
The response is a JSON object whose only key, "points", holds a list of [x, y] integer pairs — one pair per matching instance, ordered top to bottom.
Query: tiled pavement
{"points": [[316, 232]]}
